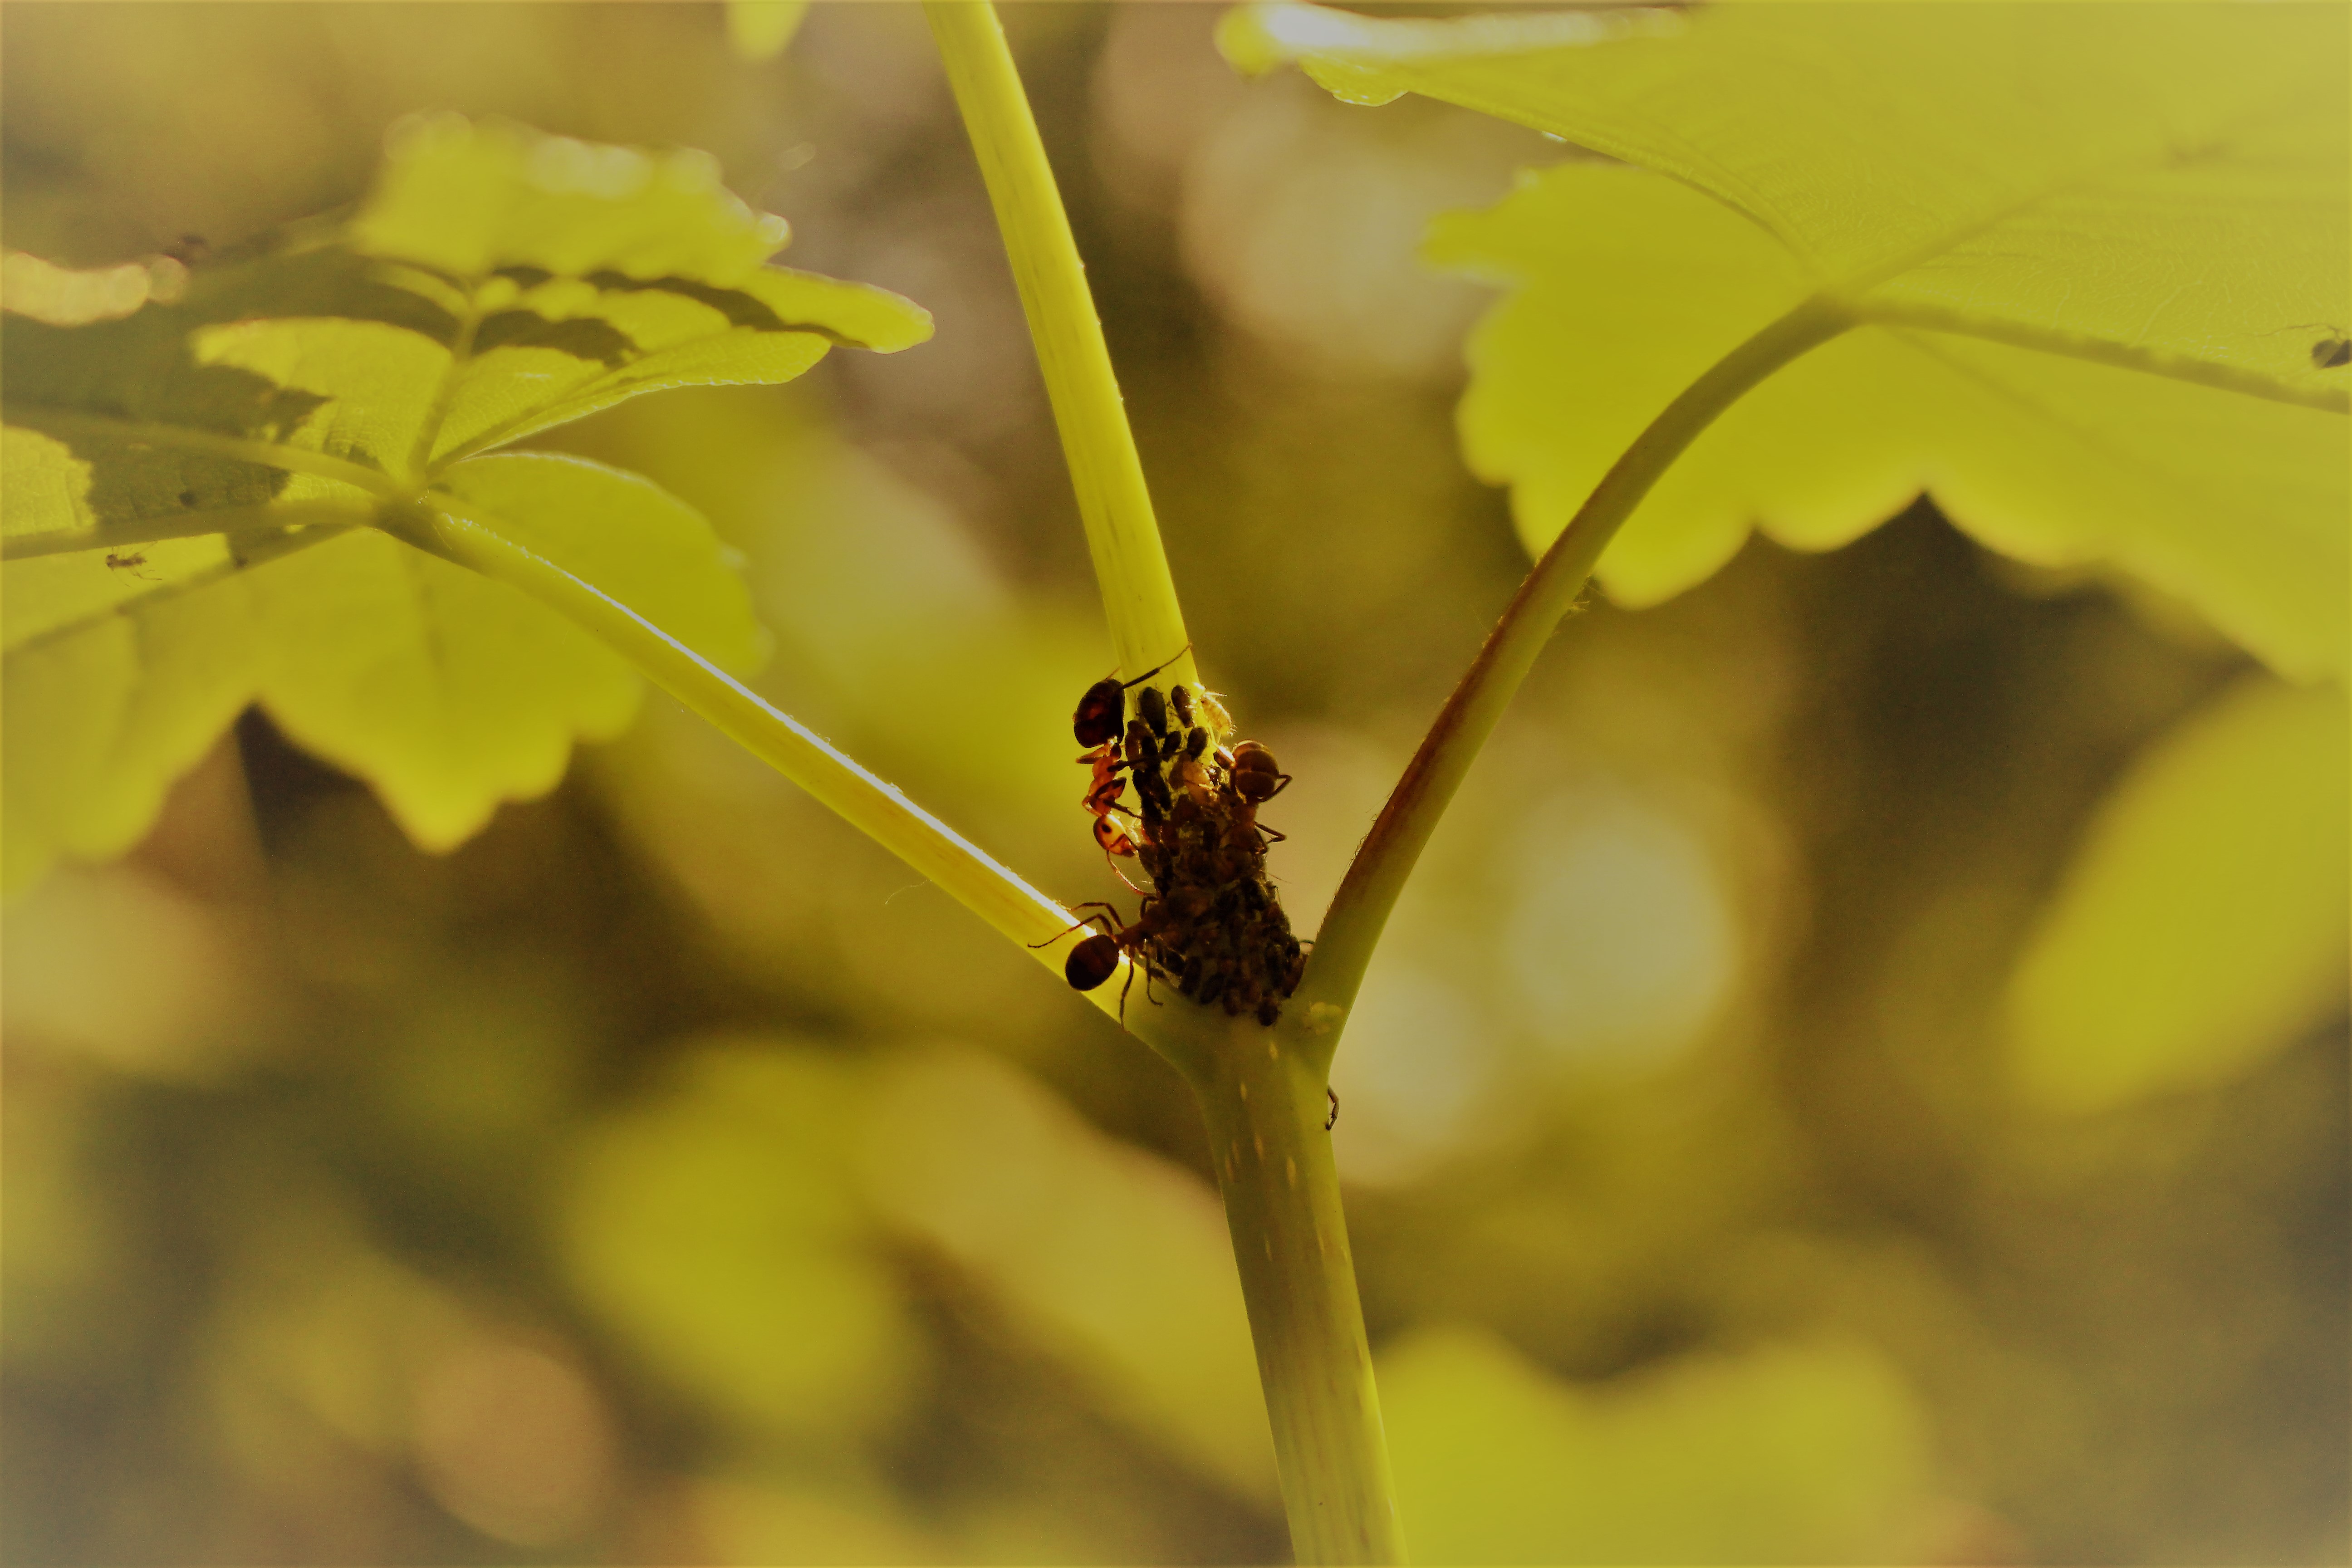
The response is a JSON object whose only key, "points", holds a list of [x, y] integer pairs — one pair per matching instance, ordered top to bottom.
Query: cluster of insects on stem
{"points": [[1212, 925]]}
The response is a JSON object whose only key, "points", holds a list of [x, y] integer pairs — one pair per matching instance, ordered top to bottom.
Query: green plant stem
{"points": [[1139, 596], [878, 809], [1343, 947], [1263, 1099], [1265, 1108]]}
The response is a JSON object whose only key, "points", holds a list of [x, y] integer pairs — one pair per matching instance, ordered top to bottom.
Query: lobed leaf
{"points": [[2099, 252], [496, 283]]}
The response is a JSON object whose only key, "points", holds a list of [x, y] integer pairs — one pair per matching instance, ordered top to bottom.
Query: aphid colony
{"points": [[1212, 925]]}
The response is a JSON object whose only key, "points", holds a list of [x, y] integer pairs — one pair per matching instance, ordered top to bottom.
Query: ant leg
{"points": [[1156, 669], [1270, 833], [1085, 924], [1128, 988], [1333, 1120]]}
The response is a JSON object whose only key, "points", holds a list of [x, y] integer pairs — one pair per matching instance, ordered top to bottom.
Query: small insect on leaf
{"points": [[2332, 352]]}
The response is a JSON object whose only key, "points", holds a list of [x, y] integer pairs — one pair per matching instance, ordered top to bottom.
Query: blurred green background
{"points": [[1752, 1153]]}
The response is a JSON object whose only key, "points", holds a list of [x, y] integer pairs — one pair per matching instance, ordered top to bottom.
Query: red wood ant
{"points": [[131, 564], [1102, 711], [1113, 745], [1256, 777], [1095, 959]]}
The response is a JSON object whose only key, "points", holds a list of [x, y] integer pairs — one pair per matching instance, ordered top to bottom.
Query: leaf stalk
{"points": [[1123, 536], [874, 807], [1360, 911], [1261, 1094]]}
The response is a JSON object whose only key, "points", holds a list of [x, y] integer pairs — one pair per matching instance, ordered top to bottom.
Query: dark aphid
{"points": [[2332, 352], [1181, 700], [1153, 708], [1102, 711], [1194, 744], [1142, 751], [1153, 790], [1191, 903]]}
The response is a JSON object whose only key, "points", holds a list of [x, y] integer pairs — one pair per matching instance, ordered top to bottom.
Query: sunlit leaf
{"points": [[2101, 247], [497, 282], [450, 692], [101, 719], [2203, 923], [1794, 1454]]}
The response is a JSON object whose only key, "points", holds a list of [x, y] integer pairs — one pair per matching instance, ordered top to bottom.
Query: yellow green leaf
{"points": [[2098, 252], [188, 473], [102, 715], [2203, 923]]}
